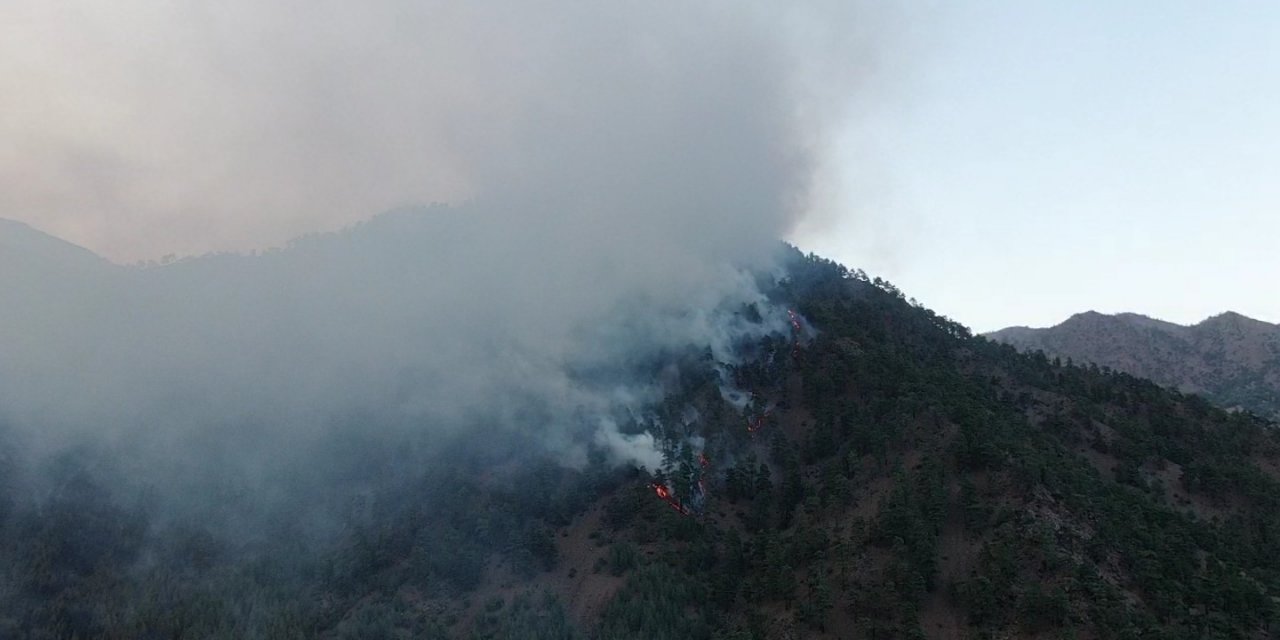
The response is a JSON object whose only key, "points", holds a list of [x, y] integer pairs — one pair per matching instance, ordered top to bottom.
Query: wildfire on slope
{"points": [[797, 330], [754, 425], [665, 492], [666, 495]]}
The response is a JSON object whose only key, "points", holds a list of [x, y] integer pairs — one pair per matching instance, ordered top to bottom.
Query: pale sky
{"points": [[1046, 158], [1014, 163]]}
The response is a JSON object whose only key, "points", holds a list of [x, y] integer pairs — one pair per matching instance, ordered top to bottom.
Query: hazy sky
{"points": [[1044, 158], [1016, 161]]}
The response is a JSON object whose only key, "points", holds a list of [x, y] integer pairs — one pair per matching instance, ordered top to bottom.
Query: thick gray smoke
{"points": [[138, 128], [619, 169], [427, 318]]}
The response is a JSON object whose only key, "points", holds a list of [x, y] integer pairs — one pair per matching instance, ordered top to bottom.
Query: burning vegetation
{"points": [[927, 483], [694, 502]]}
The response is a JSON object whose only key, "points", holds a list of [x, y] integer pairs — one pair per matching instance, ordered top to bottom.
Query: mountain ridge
{"points": [[25, 247], [1091, 315], [1231, 358]]}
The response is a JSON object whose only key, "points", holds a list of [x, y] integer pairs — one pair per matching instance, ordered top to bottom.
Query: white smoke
{"points": [[139, 128], [619, 172], [639, 449]]}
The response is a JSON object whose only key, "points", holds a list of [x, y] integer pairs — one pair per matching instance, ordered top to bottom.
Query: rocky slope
{"points": [[1231, 359]]}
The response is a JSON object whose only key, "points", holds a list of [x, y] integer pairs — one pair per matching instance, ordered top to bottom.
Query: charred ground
{"points": [[912, 480]]}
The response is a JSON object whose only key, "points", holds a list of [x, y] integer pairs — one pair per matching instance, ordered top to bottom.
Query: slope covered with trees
{"points": [[910, 480]]}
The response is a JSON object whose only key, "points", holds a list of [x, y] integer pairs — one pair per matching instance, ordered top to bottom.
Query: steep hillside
{"points": [[24, 250], [40, 276], [1229, 358], [887, 476]]}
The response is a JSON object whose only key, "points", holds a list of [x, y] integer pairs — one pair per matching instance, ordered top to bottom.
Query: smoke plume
{"points": [[137, 128], [618, 173]]}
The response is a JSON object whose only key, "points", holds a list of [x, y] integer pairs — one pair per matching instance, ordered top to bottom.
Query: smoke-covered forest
{"points": [[573, 384], [873, 471]]}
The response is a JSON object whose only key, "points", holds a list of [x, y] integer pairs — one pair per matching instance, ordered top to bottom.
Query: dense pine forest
{"points": [[887, 475]]}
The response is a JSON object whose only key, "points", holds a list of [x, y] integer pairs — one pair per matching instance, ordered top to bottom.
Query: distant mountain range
{"points": [[1230, 359]]}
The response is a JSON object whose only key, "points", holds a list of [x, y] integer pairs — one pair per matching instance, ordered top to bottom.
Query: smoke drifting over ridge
{"points": [[139, 129], [622, 167], [416, 321]]}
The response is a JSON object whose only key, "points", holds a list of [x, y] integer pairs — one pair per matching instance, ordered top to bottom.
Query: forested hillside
{"points": [[887, 475]]}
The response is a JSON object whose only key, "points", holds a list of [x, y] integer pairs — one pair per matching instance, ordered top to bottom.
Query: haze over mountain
{"points": [[140, 130], [619, 175], [620, 178], [392, 318], [1229, 358], [593, 397], [883, 474]]}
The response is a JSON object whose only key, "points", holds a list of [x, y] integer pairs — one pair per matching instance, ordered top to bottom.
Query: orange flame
{"points": [[665, 495]]}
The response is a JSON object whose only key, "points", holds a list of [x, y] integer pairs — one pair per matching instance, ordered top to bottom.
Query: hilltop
{"points": [[1229, 358]]}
